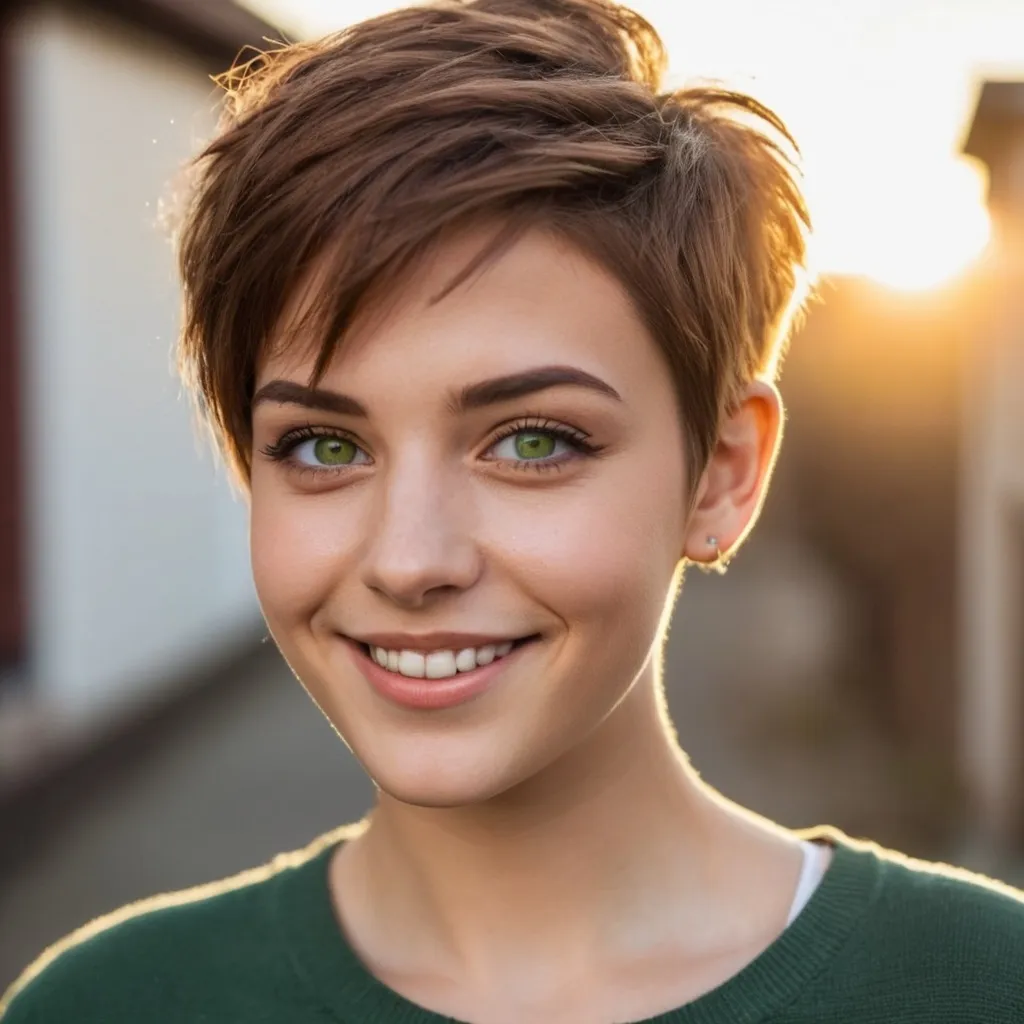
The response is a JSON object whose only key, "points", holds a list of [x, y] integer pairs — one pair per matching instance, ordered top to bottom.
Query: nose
{"points": [[422, 543]]}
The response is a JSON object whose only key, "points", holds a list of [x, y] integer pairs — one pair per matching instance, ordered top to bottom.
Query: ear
{"points": [[733, 487]]}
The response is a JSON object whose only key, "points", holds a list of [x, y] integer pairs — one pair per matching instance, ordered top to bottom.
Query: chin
{"points": [[437, 780], [435, 792], [434, 797]]}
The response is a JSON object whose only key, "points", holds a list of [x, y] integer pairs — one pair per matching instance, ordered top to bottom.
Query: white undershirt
{"points": [[816, 860]]}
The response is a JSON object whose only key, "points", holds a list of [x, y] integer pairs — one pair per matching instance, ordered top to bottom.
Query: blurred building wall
{"points": [[873, 388], [906, 462], [992, 492], [992, 551], [136, 557]]}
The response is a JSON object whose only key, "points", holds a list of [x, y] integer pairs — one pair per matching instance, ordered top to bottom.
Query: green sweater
{"points": [[883, 940]]}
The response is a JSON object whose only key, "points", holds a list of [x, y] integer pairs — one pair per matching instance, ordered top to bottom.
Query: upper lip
{"points": [[431, 641]]}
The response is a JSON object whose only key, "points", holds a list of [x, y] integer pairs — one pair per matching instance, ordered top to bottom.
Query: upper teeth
{"points": [[438, 664]]}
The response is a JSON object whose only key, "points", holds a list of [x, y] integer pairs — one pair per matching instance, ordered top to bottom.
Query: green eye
{"points": [[532, 445], [333, 451]]}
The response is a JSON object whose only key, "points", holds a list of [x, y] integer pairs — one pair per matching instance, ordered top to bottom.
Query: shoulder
{"points": [[929, 896], [942, 937], [162, 957], [139, 958]]}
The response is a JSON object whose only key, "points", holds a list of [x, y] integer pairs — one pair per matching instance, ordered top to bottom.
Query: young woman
{"points": [[487, 326]]}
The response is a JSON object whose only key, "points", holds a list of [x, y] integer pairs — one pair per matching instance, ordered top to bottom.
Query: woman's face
{"points": [[428, 500]]}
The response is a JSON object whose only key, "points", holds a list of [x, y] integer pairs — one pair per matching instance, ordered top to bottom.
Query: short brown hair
{"points": [[363, 147]]}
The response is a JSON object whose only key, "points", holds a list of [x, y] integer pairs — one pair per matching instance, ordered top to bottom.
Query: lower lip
{"points": [[430, 694]]}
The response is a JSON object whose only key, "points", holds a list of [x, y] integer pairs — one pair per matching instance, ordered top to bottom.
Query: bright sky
{"points": [[878, 93]]}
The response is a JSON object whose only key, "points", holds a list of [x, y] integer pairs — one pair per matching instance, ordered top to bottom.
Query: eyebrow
{"points": [[472, 396]]}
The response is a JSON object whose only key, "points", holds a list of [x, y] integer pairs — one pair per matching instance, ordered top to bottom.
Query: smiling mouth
{"points": [[454, 662]]}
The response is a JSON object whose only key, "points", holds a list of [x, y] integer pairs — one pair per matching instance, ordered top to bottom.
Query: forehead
{"points": [[540, 301]]}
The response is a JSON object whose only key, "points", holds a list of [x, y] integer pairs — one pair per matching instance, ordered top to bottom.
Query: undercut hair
{"points": [[355, 153]]}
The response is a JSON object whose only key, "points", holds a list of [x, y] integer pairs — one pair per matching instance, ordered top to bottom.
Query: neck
{"points": [[616, 849]]}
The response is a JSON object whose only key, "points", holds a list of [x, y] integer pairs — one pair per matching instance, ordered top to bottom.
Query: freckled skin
{"points": [[485, 810]]}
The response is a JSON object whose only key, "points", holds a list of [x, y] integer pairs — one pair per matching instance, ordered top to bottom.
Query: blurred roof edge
{"points": [[215, 29], [999, 112]]}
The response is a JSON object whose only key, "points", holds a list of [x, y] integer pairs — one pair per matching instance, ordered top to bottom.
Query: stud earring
{"points": [[719, 564]]}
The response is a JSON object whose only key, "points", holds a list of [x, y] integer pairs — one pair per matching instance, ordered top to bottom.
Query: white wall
{"points": [[138, 562]]}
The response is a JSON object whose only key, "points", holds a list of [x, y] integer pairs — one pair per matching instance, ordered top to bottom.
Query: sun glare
{"points": [[917, 230]]}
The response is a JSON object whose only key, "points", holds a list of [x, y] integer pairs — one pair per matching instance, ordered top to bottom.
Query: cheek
{"points": [[296, 547], [601, 554]]}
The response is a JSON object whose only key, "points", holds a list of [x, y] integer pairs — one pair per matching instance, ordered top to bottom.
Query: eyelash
{"points": [[280, 450]]}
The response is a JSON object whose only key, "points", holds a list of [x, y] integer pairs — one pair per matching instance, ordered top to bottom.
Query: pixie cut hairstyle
{"points": [[355, 153]]}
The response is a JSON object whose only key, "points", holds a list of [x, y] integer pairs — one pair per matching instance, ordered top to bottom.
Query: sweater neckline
{"points": [[337, 980]]}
